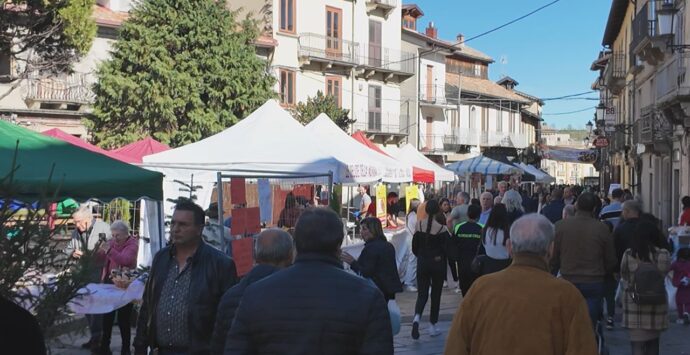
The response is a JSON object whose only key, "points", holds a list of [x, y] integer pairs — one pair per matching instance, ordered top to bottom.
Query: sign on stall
{"points": [[410, 192], [381, 203], [242, 255]]}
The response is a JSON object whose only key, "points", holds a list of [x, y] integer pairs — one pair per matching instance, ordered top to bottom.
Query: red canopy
{"points": [[66, 137], [139, 149], [418, 174]]}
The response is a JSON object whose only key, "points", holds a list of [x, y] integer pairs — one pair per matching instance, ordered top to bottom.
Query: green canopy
{"points": [[77, 173]]}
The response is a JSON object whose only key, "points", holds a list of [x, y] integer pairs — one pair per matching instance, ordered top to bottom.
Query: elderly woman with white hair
{"points": [[513, 202], [120, 252]]}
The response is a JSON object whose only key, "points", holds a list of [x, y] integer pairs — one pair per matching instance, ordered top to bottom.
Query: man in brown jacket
{"points": [[585, 253], [523, 309]]}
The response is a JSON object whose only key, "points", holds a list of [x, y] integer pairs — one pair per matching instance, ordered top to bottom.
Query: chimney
{"points": [[431, 31], [460, 39]]}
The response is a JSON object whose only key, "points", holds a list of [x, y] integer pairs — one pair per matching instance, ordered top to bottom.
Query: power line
{"points": [[568, 96], [568, 113]]}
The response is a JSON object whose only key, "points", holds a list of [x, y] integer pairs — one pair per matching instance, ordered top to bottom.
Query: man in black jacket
{"points": [[273, 251], [186, 282], [314, 306]]}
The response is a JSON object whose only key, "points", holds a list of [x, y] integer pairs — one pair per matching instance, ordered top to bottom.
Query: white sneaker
{"points": [[445, 284], [410, 288], [457, 290], [680, 321], [433, 331]]}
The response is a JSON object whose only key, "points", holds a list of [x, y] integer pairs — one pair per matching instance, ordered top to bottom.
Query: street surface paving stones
{"points": [[674, 341]]}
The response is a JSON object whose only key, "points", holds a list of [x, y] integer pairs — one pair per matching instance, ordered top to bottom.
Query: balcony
{"points": [[383, 7], [646, 43], [328, 51], [389, 62], [615, 72], [672, 90], [71, 92], [434, 95], [390, 126], [654, 129], [503, 139]]}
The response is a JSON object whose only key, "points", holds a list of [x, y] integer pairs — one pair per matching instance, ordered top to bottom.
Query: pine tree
{"points": [[181, 71], [307, 112]]}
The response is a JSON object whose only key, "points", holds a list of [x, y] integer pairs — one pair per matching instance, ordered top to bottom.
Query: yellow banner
{"points": [[410, 192], [381, 203]]}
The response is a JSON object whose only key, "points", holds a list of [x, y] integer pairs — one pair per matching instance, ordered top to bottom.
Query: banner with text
{"points": [[570, 155]]}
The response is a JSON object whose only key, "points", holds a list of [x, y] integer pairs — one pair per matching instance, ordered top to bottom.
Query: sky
{"points": [[548, 53]]}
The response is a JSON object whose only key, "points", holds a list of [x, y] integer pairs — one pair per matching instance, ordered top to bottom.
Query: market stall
{"points": [[66, 137], [136, 151], [409, 154], [49, 168]]}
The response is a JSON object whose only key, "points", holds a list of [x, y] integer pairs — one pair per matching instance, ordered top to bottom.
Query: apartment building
{"points": [[344, 48], [645, 97], [61, 101], [458, 112], [565, 173]]}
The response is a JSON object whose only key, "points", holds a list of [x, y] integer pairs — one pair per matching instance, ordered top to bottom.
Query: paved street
{"points": [[675, 341]]}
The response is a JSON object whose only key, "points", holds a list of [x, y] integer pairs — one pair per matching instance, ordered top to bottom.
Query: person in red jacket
{"points": [[685, 216], [120, 252], [681, 280]]}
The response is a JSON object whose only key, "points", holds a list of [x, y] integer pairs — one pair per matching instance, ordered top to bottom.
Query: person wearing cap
{"points": [[212, 231]]}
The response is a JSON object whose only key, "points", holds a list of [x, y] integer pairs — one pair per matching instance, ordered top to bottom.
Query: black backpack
{"points": [[649, 286]]}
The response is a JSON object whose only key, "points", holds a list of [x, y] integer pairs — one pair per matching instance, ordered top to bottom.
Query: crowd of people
{"points": [[548, 274]]}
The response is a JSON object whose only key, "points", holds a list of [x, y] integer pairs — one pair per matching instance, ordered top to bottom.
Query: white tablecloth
{"points": [[402, 242], [105, 298]]}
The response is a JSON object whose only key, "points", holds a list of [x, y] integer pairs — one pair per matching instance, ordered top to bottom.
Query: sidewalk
{"points": [[674, 341]]}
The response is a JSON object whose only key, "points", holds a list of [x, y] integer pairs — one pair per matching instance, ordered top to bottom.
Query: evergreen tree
{"points": [[181, 71], [307, 112]]}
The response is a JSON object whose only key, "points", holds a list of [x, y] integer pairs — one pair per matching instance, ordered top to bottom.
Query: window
{"points": [[287, 16], [410, 23], [334, 29], [6, 67], [477, 70], [334, 85], [287, 87], [473, 117], [454, 119], [499, 122], [374, 123]]}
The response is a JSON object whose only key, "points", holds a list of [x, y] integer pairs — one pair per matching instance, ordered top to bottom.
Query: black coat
{"points": [[554, 210], [377, 262], [212, 274], [229, 303], [312, 307], [19, 331]]}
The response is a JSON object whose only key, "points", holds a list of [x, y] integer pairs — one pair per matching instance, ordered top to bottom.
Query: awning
{"points": [[66, 137], [138, 150], [410, 154], [483, 165], [74, 172], [418, 174]]}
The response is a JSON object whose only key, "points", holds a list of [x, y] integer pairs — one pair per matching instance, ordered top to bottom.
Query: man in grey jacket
{"points": [[89, 235]]}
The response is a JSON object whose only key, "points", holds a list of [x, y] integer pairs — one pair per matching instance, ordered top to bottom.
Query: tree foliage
{"points": [[45, 36], [181, 71], [307, 112]]}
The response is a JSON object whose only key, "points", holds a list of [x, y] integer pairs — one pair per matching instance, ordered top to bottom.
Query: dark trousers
{"points": [[454, 269], [430, 274], [467, 276], [610, 288], [593, 293], [95, 322], [124, 322]]}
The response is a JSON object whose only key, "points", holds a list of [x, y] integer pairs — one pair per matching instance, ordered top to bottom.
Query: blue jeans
{"points": [[594, 295]]}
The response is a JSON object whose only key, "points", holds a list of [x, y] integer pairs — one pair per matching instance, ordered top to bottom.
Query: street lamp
{"points": [[666, 15], [589, 126]]}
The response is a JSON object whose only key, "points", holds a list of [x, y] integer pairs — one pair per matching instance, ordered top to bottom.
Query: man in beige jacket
{"points": [[523, 309]]}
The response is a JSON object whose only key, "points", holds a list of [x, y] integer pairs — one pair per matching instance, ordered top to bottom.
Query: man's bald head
{"points": [[275, 247]]}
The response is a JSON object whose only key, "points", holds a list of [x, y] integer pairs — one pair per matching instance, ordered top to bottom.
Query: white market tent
{"points": [[269, 141], [412, 156], [360, 159], [482, 165], [539, 176]]}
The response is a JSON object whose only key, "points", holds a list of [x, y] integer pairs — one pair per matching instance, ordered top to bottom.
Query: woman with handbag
{"points": [[428, 245], [120, 251], [493, 255], [377, 263], [645, 319]]}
